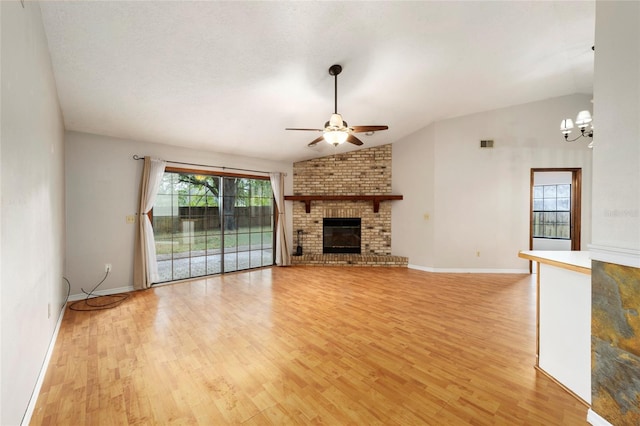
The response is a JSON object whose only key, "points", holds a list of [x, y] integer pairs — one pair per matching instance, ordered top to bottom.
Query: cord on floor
{"points": [[97, 303]]}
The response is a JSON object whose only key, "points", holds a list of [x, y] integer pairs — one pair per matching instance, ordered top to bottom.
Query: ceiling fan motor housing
{"points": [[336, 121], [328, 125]]}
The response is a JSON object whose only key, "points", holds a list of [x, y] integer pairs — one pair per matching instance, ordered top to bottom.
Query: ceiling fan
{"points": [[336, 131]]}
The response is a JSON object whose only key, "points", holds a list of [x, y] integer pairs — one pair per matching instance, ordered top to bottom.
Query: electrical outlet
{"points": [[131, 219], [478, 253], [107, 267], [48, 310]]}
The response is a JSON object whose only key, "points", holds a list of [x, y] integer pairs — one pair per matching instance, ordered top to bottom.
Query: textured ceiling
{"points": [[230, 76]]}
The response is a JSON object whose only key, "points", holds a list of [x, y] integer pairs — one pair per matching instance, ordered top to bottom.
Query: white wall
{"points": [[616, 160], [412, 173], [552, 178], [103, 185], [479, 198], [32, 219], [549, 244], [565, 328]]}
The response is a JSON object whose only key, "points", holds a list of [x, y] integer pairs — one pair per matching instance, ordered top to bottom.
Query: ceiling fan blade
{"points": [[362, 129], [310, 130], [352, 139], [316, 141]]}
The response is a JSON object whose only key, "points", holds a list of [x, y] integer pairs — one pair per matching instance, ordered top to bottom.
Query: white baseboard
{"points": [[421, 268], [468, 270], [106, 292], [43, 371], [594, 419]]}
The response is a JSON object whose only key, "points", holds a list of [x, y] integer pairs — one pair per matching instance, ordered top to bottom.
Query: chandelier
{"points": [[583, 122]]}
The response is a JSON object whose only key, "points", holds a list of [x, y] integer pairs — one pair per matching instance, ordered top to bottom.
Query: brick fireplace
{"points": [[356, 178]]}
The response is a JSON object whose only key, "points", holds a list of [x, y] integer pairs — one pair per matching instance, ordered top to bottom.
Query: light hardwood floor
{"points": [[308, 345]]}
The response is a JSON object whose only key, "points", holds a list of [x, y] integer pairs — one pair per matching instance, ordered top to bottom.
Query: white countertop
{"points": [[579, 261]]}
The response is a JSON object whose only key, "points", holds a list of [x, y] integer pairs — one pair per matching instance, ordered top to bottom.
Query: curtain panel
{"points": [[283, 257], [145, 265]]}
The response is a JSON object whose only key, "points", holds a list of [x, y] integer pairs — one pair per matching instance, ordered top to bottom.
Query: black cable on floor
{"points": [[108, 301]]}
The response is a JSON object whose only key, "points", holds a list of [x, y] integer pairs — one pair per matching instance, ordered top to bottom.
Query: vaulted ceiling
{"points": [[231, 76]]}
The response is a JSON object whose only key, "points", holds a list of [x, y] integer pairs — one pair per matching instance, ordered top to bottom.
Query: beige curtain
{"points": [[283, 257], [145, 265]]}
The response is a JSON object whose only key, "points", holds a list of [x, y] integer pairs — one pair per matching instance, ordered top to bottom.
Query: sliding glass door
{"points": [[248, 223], [208, 224]]}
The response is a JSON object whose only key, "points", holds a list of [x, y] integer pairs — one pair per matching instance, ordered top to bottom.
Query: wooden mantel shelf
{"points": [[376, 199]]}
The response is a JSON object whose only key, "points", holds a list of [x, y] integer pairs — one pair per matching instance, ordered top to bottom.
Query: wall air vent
{"points": [[487, 143]]}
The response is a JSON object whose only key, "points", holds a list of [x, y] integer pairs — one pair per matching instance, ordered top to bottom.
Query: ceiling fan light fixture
{"points": [[336, 121], [336, 137]]}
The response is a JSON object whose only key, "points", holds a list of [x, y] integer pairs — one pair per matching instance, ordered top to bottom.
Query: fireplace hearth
{"points": [[341, 235]]}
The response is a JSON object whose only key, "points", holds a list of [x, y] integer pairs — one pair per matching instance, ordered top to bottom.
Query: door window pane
{"points": [[549, 191], [563, 191], [538, 192], [538, 204], [549, 204], [564, 204], [552, 211]]}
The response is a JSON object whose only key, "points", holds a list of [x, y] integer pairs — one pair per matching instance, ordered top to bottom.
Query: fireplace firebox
{"points": [[341, 235]]}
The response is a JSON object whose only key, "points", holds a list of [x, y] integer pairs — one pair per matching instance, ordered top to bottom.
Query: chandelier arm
{"points": [[583, 134], [566, 138]]}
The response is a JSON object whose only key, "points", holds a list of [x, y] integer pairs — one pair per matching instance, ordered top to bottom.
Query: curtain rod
{"points": [[137, 157]]}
